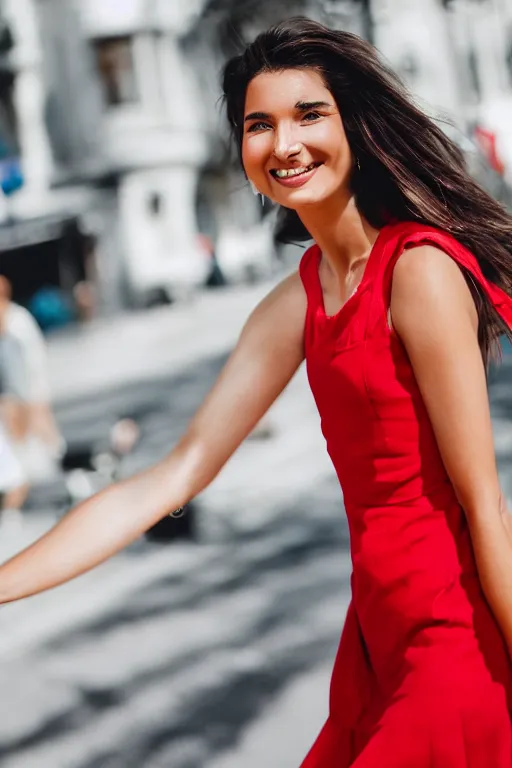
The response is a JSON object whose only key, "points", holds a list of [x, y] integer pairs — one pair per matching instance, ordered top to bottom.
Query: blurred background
{"points": [[131, 252]]}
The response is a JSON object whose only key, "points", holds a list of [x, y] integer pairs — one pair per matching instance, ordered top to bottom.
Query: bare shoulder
{"points": [[428, 284], [288, 292], [284, 307]]}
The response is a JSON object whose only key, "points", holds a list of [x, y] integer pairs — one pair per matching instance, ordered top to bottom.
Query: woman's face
{"points": [[294, 147]]}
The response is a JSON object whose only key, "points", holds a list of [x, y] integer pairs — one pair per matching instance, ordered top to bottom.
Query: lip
{"points": [[296, 181]]}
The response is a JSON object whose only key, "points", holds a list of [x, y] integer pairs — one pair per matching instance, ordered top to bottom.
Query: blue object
{"points": [[11, 175], [50, 308]]}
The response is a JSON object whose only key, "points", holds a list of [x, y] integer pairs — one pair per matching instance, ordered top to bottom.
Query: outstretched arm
{"points": [[433, 312], [268, 353]]}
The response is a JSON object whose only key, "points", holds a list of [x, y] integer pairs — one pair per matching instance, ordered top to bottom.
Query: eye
{"points": [[310, 117], [258, 127]]}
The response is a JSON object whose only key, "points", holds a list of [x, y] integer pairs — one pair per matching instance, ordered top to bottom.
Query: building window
{"points": [[509, 57], [114, 58], [474, 74], [9, 144], [155, 204]]}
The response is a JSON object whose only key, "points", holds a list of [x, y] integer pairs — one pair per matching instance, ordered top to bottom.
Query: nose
{"points": [[286, 146]]}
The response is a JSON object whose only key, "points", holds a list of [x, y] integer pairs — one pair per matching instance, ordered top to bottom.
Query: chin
{"points": [[303, 198]]}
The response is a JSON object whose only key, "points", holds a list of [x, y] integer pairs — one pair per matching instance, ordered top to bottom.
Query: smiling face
{"points": [[294, 147]]}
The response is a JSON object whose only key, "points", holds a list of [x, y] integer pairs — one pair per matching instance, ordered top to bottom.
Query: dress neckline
{"points": [[363, 283]]}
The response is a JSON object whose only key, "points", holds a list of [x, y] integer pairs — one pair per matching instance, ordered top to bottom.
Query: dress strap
{"points": [[399, 237], [308, 270]]}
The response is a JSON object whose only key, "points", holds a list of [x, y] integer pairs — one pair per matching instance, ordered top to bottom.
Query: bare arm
{"points": [[434, 314], [269, 351]]}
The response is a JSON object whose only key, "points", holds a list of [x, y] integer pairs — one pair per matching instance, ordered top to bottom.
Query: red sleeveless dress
{"points": [[422, 678]]}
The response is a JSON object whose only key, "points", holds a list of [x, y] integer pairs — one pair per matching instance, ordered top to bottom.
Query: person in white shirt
{"points": [[29, 419], [13, 480]]}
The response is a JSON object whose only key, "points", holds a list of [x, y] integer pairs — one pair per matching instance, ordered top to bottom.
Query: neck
{"points": [[342, 234]]}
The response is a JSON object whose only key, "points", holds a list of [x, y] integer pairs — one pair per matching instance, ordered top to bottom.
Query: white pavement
{"points": [[146, 344], [290, 725]]}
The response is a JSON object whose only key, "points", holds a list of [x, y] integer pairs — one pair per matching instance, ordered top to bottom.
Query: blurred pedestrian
{"points": [[216, 278], [397, 309], [13, 425], [36, 436]]}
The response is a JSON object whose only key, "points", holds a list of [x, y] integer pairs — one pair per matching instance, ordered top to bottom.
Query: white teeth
{"points": [[282, 173]]}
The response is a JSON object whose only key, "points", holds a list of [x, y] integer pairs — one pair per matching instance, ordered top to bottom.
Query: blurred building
{"points": [[482, 36], [414, 37], [456, 57], [124, 117], [112, 135], [40, 241]]}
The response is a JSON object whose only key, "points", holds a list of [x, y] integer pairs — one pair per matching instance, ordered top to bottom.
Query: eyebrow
{"points": [[300, 106], [305, 106], [257, 116]]}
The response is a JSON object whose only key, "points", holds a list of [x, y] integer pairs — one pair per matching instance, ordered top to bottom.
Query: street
{"points": [[211, 653]]}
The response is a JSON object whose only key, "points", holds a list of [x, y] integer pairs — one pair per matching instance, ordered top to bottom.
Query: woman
{"points": [[397, 308]]}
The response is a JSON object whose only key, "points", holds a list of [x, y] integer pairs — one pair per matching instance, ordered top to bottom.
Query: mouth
{"points": [[294, 177]]}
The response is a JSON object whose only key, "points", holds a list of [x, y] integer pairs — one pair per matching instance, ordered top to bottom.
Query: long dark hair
{"points": [[407, 169]]}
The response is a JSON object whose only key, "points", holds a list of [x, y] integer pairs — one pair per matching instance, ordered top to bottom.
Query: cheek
{"points": [[336, 145], [254, 156]]}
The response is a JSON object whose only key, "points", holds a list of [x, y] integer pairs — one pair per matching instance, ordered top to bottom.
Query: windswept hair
{"points": [[407, 170]]}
